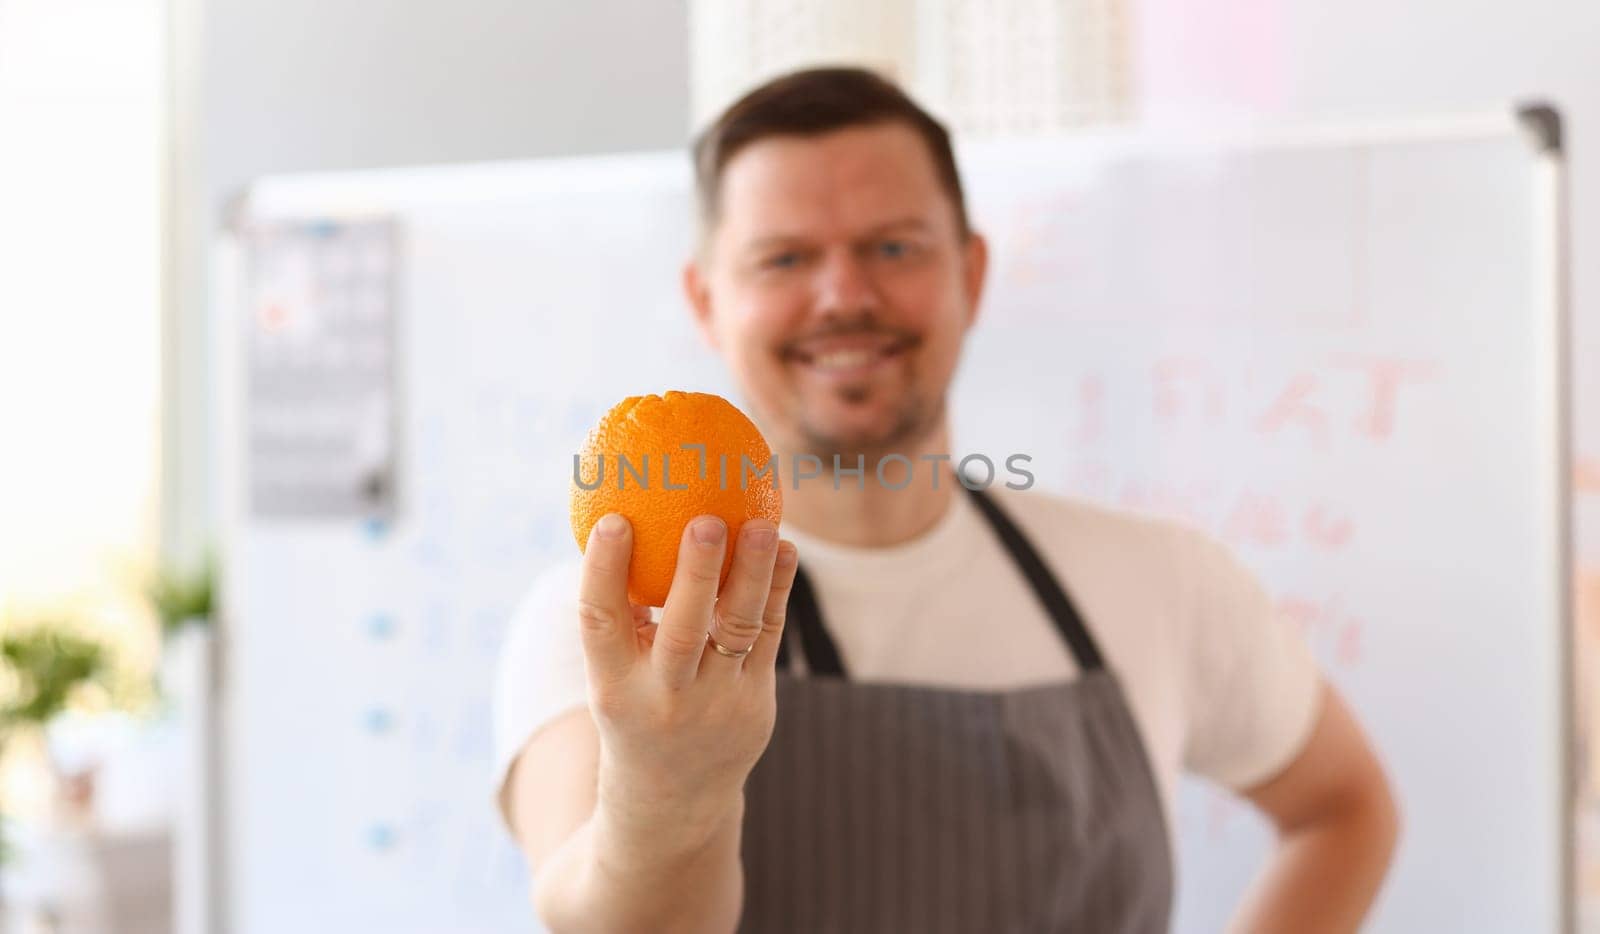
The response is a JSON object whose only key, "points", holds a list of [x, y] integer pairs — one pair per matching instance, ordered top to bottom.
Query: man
{"points": [[977, 720]]}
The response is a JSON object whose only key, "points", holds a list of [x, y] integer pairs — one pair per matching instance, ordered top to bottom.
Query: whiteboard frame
{"points": [[1543, 126]]}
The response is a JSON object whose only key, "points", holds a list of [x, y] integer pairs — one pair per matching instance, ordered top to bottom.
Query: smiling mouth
{"points": [[849, 358]]}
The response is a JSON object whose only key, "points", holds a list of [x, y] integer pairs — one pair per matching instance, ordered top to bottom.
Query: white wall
{"points": [[307, 84], [269, 86], [80, 99]]}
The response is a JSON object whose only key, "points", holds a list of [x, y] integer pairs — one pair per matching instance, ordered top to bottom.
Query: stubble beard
{"points": [[916, 417]]}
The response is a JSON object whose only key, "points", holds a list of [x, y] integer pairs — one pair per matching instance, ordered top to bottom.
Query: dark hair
{"points": [[809, 103]]}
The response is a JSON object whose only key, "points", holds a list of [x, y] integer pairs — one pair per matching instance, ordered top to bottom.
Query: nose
{"points": [[844, 285]]}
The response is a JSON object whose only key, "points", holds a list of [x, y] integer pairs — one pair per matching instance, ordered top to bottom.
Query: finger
{"points": [[641, 615], [737, 619], [681, 637], [609, 644], [764, 657]]}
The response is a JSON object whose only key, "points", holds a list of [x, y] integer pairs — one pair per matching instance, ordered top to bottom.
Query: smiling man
{"points": [[936, 708]]}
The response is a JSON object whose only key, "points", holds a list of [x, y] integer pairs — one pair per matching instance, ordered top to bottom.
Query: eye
{"points": [[894, 249], [788, 259]]}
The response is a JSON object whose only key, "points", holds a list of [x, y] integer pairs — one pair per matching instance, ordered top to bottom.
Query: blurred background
{"points": [[132, 130]]}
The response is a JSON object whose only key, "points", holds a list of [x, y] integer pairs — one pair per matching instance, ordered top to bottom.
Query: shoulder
{"points": [[1072, 529], [1162, 576], [554, 588], [538, 615], [542, 637], [540, 670]]}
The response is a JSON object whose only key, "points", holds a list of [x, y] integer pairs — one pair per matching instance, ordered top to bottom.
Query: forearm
{"points": [[1324, 875], [610, 877]]}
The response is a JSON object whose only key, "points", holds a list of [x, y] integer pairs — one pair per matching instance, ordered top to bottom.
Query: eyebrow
{"points": [[768, 241]]}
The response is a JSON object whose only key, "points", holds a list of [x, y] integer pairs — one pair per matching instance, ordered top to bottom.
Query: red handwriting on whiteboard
{"points": [[1038, 249], [1385, 377], [1177, 378], [1368, 397], [1304, 404], [1296, 406], [1586, 479], [1243, 517], [1257, 519], [1263, 520], [1327, 528], [1332, 632], [1588, 680]]}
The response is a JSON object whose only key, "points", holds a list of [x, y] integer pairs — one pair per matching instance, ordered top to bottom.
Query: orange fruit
{"points": [[648, 434]]}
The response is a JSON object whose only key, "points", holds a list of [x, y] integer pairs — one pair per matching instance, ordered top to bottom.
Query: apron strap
{"points": [[1044, 583], [805, 617], [822, 655]]}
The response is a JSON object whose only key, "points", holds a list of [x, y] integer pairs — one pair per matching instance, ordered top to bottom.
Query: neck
{"points": [[863, 512]]}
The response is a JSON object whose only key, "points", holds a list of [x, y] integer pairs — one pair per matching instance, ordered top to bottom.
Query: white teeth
{"points": [[843, 359]]}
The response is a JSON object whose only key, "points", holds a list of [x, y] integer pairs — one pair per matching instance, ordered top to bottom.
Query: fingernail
{"points": [[611, 526], [710, 530], [759, 538], [787, 556]]}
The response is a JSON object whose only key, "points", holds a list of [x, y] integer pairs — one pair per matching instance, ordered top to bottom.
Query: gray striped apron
{"points": [[888, 808]]}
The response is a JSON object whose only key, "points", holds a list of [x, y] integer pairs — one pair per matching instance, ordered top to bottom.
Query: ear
{"points": [[975, 271], [697, 292]]}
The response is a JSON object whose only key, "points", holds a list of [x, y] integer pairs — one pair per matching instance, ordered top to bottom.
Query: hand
{"points": [[680, 724]]}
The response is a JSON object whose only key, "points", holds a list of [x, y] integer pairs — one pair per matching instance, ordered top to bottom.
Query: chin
{"points": [[877, 434]]}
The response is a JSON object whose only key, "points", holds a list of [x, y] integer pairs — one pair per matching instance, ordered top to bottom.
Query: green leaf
{"points": [[181, 597], [47, 664]]}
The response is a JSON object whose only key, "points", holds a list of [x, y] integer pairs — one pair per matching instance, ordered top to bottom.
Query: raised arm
{"points": [[629, 810]]}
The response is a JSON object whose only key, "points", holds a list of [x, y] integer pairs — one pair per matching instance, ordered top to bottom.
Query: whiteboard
{"points": [[1337, 349]]}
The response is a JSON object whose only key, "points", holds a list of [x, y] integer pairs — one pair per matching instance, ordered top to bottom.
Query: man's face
{"points": [[837, 285]]}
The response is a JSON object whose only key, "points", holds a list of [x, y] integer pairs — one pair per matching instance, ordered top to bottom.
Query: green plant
{"points": [[182, 597], [47, 664], [44, 665]]}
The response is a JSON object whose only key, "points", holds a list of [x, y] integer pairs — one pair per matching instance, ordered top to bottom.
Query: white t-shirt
{"points": [[1218, 684]]}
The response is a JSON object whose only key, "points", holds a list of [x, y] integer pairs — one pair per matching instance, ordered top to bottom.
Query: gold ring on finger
{"points": [[727, 652]]}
